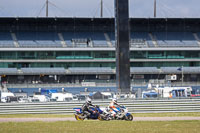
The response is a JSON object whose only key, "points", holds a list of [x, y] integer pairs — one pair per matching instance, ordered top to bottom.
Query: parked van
{"points": [[5, 96], [62, 96]]}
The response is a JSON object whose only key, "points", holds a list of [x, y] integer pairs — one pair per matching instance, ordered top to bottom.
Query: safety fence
{"points": [[102, 83], [134, 106]]}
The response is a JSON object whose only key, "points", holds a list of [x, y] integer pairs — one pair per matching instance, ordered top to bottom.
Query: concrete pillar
{"points": [[122, 35]]}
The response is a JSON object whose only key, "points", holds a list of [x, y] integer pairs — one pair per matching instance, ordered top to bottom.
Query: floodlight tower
{"points": [[47, 8], [154, 8], [101, 14], [122, 45]]}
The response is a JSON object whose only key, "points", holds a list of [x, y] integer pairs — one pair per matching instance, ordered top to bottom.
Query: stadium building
{"points": [[81, 51]]}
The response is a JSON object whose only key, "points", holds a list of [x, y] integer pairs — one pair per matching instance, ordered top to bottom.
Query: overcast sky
{"points": [[91, 8]]}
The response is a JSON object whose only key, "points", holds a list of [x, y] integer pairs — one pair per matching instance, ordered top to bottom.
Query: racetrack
{"points": [[73, 119]]}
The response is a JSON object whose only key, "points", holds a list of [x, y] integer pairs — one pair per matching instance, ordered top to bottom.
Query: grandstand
{"points": [[74, 50]]}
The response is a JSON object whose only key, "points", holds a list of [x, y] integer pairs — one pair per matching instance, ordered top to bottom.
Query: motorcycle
{"points": [[94, 113], [121, 114], [105, 115]]}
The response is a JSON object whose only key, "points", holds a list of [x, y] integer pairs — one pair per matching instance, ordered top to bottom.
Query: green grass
{"points": [[191, 114], [195, 114], [35, 116], [101, 127]]}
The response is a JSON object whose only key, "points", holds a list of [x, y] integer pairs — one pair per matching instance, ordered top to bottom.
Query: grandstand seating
{"points": [[198, 34], [82, 35], [140, 35], [67, 36], [112, 37], [6, 39], [38, 39], [77, 39], [85, 39], [98, 39], [140, 39], [175, 39], [80, 42], [100, 43], [139, 43], [5, 44], [150, 44]]}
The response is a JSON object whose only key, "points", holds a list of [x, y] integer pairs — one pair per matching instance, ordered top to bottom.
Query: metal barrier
{"points": [[98, 84], [134, 106]]}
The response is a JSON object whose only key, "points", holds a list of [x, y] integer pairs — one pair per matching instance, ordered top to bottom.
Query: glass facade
{"points": [[56, 55], [97, 55], [165, 55], [95, 59], [55, 64], [161, 64]]}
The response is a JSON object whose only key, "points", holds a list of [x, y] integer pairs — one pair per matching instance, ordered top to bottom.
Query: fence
{"points": [[98, 84], [134, 106]]}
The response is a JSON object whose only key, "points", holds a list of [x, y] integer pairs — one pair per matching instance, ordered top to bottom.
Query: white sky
{"points": [[91, 8]]}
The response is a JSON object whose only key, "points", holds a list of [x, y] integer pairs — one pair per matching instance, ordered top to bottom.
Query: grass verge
{"points": [[185, 114], [101, 127]]}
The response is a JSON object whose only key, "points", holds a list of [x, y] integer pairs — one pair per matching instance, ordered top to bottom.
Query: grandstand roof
{"points": [[87, 24]]}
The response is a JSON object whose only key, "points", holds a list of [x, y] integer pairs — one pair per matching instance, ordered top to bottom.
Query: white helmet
{"points": [[88, 100], [114, 100]]}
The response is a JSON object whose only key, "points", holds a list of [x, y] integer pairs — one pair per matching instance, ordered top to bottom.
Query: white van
{"points": [[5, 95], [62, 96]]}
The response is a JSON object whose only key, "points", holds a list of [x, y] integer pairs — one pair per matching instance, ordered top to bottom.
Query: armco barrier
{"points": [[134, 106]]}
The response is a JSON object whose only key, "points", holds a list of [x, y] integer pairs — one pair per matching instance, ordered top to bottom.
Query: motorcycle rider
{"points": [[113, 104], [86, 108]]}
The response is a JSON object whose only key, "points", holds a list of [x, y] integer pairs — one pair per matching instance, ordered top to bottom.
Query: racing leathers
{"points": [[86, 109], [113, 109]]}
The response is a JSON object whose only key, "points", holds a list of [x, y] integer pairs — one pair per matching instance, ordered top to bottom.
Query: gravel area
{"points": [[73, 119]]}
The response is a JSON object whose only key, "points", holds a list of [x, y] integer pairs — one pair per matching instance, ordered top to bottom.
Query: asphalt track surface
{"points": [[73, 119]]}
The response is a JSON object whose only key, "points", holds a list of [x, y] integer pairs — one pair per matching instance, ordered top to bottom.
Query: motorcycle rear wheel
{"points": [[102, 118]]}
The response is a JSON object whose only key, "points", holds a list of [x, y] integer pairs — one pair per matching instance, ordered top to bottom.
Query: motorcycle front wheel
{"points": [[78, 117], [129, 117]]}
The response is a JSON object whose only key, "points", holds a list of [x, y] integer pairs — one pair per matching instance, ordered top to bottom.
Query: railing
{"points": [[98, 84], [134, 106]]}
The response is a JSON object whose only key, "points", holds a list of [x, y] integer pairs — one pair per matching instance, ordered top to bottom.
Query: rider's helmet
{"points": [[88, 100], [114, 101]]}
